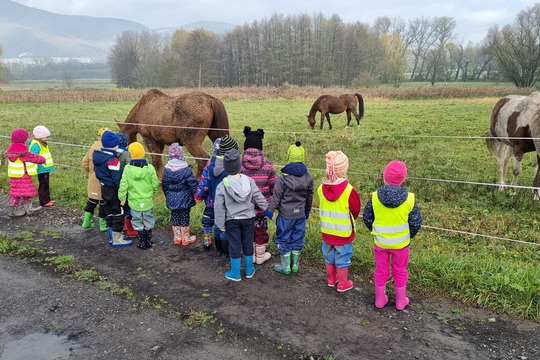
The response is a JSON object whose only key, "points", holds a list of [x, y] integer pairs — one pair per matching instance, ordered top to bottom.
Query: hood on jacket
{"points": [[13, 156], [102, 156], [253, 159], [218, 166], [138, 169], [295, 169], [239, 188], [332, 192], [392, 196]]}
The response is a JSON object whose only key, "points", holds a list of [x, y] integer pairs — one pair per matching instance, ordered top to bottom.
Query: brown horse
{"points": [[328, 104], [186, 119], [515, 130]]}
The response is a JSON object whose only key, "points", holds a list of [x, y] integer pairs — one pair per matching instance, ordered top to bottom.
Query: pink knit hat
{"points": [[18, 141], [337, 165], [395, 173]]}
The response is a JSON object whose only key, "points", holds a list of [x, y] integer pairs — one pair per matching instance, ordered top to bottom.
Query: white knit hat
{"points": [[41, 132]]}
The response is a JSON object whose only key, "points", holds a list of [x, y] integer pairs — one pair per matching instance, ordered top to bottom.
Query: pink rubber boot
{"points": [[331, 278], [344, 283], [401, 298], [381, 299]]}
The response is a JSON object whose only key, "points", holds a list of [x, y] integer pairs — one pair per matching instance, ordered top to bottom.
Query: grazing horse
{"points": [[328, 104], [186, 119], [515, 130]]}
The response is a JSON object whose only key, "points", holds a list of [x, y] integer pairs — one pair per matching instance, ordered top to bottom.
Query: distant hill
{"points": [[30, 32]]}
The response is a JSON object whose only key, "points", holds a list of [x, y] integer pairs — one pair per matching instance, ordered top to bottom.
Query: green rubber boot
{"points": [[87, 222], [102, 225], [295, 259], [285, 266]]}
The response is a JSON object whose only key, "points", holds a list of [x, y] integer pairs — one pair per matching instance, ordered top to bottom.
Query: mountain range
{"points": [[27, 32]]}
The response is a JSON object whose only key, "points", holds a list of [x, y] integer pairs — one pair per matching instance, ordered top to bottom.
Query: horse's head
{"points": [[311, 121], [129, 129]]}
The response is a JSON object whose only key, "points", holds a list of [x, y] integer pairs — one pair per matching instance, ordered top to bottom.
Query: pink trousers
{"points": [[398, 259]]}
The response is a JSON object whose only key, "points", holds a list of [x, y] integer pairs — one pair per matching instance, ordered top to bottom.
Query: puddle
{"points": [[38, 346]]}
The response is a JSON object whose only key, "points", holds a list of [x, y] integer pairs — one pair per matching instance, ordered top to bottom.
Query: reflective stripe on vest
{"points": [[43, 151], [16, 168], [335, 216], [391, 225]]}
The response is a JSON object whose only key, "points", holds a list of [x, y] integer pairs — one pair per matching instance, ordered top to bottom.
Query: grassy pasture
{"points": [[492, 273]]}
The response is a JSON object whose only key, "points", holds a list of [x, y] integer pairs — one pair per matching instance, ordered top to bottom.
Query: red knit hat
{"points": [[395, 173]]}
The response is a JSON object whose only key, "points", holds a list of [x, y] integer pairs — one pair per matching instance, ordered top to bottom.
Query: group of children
{"points": [[241, 192]]}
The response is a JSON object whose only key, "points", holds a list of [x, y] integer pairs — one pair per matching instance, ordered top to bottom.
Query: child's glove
{"points": [[268, 214], [307, 214]]}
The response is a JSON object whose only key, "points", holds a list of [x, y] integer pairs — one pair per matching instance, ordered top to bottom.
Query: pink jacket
{"points": [[23, 186]]}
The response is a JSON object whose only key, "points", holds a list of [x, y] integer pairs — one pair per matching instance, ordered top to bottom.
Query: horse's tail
{"points": [[360, 105], [220, 120], [493, 144]]}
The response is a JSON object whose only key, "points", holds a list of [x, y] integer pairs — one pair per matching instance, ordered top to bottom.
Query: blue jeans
{"points": [[290, 234], [337, 255]]}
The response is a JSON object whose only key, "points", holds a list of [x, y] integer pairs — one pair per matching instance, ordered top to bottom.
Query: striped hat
{"points": [[227, 143], [337, 165]]}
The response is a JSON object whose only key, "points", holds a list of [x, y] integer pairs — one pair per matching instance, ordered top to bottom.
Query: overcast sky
{"points": [[473, 17]]}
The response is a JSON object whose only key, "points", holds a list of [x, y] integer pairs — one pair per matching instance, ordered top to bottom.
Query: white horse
{"points": [[515, 130]]}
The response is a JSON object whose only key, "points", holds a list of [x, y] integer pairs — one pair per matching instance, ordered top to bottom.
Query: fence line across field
{"points": [[323, 170], [352, 172]]}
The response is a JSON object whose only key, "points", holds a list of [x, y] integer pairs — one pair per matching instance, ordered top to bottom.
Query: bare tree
{"points": [[444, 27], [421, 37], [516, 47], [123, 59]]}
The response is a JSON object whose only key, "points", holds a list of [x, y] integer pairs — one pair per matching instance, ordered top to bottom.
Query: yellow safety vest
{"points": [[43, 151], [16, 168], [335, 216], [391, 225]]}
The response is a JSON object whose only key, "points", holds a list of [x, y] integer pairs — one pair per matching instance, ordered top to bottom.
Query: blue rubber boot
{"points": [[250, 269], [234, 273]]}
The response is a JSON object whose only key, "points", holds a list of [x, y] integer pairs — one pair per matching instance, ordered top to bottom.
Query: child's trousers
{"points": [[398, 259]]}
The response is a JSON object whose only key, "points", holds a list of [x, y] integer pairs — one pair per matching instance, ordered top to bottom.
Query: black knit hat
{"points": [[253, 138], [227, 143], [231, 162]]}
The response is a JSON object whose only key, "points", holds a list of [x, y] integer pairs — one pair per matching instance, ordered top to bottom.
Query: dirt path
{"points": [[270, 316]]}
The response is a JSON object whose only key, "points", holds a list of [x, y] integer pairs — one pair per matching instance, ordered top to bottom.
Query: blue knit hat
{"points": [[109, 139], [122, 140]]}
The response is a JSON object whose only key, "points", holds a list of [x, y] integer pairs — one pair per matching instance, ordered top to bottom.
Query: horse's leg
{"points": [[348, 111], [323, 115], [356, 116], [328, 118], [194, 147], [156, 149], [536, 182]]}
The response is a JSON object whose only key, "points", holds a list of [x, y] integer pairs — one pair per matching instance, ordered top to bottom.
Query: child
{"points": [[39, 146], [125, 158], [21, 167], [259, 168], [109, 173], [140, 183], [179, 185], [93, 187], [206, 190], [293, 197], [339, 207], [235, 213], [393, 217]]}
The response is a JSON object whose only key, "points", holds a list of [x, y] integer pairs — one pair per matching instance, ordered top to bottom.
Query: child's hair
{"points": [[337, 165]]}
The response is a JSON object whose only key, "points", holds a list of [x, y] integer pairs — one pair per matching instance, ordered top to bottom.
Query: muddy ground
{"points": [[269, 316]]}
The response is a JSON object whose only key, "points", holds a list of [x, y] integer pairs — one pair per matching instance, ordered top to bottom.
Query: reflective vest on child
{"points": [[16, 169], [335, 216], [391, 225]]}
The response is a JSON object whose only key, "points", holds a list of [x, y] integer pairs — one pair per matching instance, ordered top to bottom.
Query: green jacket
{"points": [[139, 183]]}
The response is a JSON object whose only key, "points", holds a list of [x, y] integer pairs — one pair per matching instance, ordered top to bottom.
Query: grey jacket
{"points": [[293, 192], [234, 199]]}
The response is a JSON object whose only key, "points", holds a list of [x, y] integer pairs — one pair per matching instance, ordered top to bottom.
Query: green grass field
{"points": [[439, 139]]}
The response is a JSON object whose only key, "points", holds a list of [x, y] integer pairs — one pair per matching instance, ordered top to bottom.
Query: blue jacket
{"points": [[107, 167], [179, 187], [392, 196]]}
